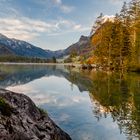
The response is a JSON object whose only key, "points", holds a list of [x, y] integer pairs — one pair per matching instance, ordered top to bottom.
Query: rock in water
{"points": [[20, 119]]}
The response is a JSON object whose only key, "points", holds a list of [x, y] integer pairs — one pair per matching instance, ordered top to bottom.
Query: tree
{"points": [[134, 12], [124, 13], [97, 24], [126, 34], [117, 42], [103, 44], [73, 53], [54, 59]]}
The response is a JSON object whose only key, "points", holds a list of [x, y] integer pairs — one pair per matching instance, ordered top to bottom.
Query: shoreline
{"points": [[49, 64], [71, 65]]}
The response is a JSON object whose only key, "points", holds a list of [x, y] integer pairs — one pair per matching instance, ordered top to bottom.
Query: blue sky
{"points": [[52, 24]]}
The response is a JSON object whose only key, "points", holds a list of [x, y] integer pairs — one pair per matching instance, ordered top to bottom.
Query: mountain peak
{"points": [[3, 36], [83, 38]]}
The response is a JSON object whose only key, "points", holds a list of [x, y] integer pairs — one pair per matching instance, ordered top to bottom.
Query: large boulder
{"points": [[20, 119]]}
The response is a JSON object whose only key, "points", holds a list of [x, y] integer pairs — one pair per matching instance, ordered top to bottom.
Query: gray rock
{"points": [[20, 119]]}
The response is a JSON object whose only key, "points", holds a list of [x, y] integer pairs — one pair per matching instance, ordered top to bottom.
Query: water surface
{"points": [[88, 105]]}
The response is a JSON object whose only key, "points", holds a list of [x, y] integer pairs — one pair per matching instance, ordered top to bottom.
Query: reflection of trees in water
{"points": [[111, 94], [115, 95]]}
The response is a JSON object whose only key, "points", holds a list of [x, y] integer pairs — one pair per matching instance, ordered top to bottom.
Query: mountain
{"points": [[87, 44], [10, 46], [81, 46], [16, 47], [5, 51], [57, 53]]}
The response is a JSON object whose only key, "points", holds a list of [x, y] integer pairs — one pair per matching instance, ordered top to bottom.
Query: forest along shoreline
{"points": [[77, 65], [20, 119]]}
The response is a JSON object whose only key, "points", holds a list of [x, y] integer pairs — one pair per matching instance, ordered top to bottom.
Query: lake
{"points": [[88, 105]]}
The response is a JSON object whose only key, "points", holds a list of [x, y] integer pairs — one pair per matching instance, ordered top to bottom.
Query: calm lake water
{"points": [[87, 105]]}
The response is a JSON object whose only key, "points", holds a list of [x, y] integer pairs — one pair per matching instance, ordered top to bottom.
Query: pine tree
{"points": [[134, 12], [124, 13], [97, 24], [126, 34], [117, 43], [103, 47], [116, 55]]}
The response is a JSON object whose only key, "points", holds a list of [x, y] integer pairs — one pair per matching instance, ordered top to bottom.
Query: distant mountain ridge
{"points": [[10, 46], [16, 47], [5, 51]]}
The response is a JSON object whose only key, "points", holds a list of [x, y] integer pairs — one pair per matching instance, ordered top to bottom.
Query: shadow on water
{"points": [[112, 95]]}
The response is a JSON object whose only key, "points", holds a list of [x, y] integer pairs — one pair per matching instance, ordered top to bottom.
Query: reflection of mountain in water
{"points": [[11, 75], [16, 75], [112, 95]]}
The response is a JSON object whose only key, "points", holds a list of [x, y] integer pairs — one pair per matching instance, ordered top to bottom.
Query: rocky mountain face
{"points": [[84, 46], [16, 47], [79, 47], [21, 48], [5, 51], [57, 53], [20, 119]]}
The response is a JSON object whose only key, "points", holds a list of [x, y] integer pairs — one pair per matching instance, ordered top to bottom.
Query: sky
{"points": [[52, 24]]}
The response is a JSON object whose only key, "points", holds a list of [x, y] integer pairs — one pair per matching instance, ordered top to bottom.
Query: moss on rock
{"points": [[5, 108]]}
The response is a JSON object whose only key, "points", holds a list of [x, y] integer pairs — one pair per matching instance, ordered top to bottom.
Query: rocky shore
{"points": [[20, 119]]}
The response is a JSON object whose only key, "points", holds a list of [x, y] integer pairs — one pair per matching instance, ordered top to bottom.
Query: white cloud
{"points": [[57, 1], [57, 4], [64, 8], [14, 25], [23, 28], [27, 29], [22, 89], [49, 97]]}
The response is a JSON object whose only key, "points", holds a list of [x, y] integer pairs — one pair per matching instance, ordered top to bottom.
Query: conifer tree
{"points": [[134, 12], [124, 13], [97, 24], [126, 34], [117, 42]]}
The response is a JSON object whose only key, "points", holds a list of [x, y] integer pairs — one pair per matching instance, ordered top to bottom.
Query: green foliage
{"points": [[97, 24], [117, 43], [20, 59], [54, 59], [5, 108], [42, 110]]}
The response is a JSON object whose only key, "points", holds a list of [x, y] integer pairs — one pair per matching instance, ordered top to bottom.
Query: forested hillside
{"points": [[116, 41]]}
